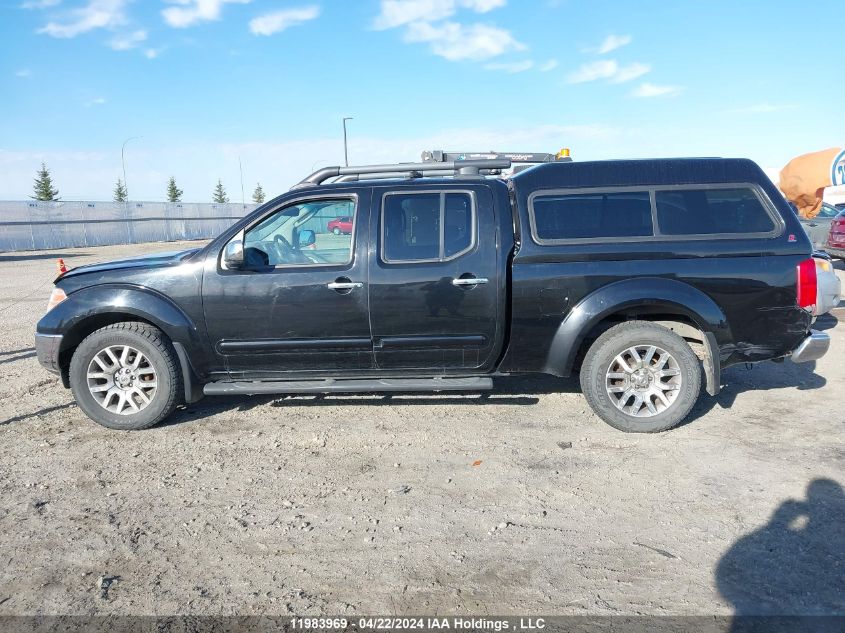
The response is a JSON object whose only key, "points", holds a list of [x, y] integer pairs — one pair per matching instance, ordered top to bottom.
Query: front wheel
{"points": [[336, 231], [125, 376], [641, 378]]}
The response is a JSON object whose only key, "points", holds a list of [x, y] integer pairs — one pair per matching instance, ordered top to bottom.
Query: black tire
{"points": [[336, 231], [155, 346], [598, 362]]}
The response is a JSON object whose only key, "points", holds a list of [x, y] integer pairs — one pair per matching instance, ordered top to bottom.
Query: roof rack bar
{"points": [[440, 156], [458, 168], [428, 173]]}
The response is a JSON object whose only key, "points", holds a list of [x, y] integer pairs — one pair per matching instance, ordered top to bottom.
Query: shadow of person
{"points": [[793, 567]]}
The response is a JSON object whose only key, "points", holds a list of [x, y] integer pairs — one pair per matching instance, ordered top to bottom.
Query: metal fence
{"points": [[30, 225]]}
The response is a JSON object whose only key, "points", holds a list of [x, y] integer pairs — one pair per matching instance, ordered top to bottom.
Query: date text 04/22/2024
{"points": [[418, 624]]}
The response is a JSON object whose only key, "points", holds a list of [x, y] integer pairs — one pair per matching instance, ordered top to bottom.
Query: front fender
{"points": [[674, 296], [94, 302]]}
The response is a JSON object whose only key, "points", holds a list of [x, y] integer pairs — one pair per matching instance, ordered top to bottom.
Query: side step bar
{"points": [[347, 385]]}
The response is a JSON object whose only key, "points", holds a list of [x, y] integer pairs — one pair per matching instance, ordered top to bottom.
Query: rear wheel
{"points": [[125, 376], [641, 378]]}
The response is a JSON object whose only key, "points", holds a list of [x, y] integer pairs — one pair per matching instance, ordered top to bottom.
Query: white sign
{"points": [[837, 170]]}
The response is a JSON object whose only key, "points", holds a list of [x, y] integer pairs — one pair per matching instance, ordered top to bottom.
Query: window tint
{"points": [[711, 211], [595, 214], [412, 223], [458, 223], [299, 235]]}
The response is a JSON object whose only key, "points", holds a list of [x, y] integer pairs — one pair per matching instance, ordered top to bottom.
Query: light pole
{"points": [[345, 149], [123, 161]]}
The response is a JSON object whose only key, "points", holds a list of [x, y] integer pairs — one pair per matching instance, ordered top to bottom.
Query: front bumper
{"points": [[47, 348], [811, 348]]}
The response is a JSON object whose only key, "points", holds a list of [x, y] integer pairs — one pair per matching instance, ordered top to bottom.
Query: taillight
{"points": [[807, 288]]}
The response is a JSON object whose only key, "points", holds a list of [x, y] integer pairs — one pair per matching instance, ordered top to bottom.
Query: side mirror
{"points": [[307, 238], [233, 253]]}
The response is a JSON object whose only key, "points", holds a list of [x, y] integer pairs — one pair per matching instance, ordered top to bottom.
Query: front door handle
{"points": [[469, 281], [344, 285]]}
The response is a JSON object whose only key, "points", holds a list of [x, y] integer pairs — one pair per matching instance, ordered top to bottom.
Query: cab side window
{"points": [[426, 227], [302, 234]]}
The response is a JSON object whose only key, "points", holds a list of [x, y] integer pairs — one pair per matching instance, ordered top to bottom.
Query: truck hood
{"points": [[156, 260]]}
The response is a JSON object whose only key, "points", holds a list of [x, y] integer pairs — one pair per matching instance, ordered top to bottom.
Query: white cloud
{"points": [[40, 4], [482, 6], [190, 12], [401, 12], [96, 14], [278, 21], [128, 41], [457, 42], [612, 42], [152, 53], [547, 66], [511, 68], [608, 69], [593, 71], [630, 72], [23, 73], [647, 90], [95, 102]]}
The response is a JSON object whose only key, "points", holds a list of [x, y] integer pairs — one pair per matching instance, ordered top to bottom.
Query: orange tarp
{"points": [[804, 179]]}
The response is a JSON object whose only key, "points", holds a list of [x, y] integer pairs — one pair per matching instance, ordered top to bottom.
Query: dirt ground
{"points": [[514, 502]]}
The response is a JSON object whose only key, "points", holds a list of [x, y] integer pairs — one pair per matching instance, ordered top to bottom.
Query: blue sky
{"points": [[205, 83]]}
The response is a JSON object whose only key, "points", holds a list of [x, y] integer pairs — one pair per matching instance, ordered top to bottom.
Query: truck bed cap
{"points": [[655, 171]]}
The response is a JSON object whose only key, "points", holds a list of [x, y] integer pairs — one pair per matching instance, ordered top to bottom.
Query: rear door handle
{"points": [[469, 281], [344, 285]]}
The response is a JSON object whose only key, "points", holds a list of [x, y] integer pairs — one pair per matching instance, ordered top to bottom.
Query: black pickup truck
{"points": [[647, 277]]}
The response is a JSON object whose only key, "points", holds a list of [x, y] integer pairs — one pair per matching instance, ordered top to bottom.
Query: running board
{"points": [[347, 385]]}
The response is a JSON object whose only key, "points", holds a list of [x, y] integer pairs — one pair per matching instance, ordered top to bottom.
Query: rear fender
{"points": [[657, 294]]}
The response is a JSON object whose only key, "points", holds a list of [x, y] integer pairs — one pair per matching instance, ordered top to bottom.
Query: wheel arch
{"points": [[674, 304], [86, 311]]}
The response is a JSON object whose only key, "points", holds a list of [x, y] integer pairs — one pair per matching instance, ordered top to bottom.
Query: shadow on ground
{"points": [[739, 379], [516, 391], [521, 391], [792, 566]]}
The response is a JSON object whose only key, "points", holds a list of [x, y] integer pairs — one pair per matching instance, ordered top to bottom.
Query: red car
{"points": [[341, 226], [836, 238]]}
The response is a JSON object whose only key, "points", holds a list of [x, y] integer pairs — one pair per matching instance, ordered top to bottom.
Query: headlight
{"points": [[825, 265], [56, 297]]}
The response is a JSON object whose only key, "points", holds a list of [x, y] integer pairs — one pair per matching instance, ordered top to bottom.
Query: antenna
{"points": [[243, 196]]}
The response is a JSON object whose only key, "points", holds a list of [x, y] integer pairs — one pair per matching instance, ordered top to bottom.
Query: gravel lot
{"points": [[518, 501]]}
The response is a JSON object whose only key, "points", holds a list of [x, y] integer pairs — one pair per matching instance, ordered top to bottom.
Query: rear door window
{"points": [[717, 211], [591, 215], [426, 226]]}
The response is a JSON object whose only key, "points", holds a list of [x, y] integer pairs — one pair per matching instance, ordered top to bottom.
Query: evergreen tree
{"points": [[43, 187], [120, 193], [174, 194], [258, 195], [220, 196]]}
